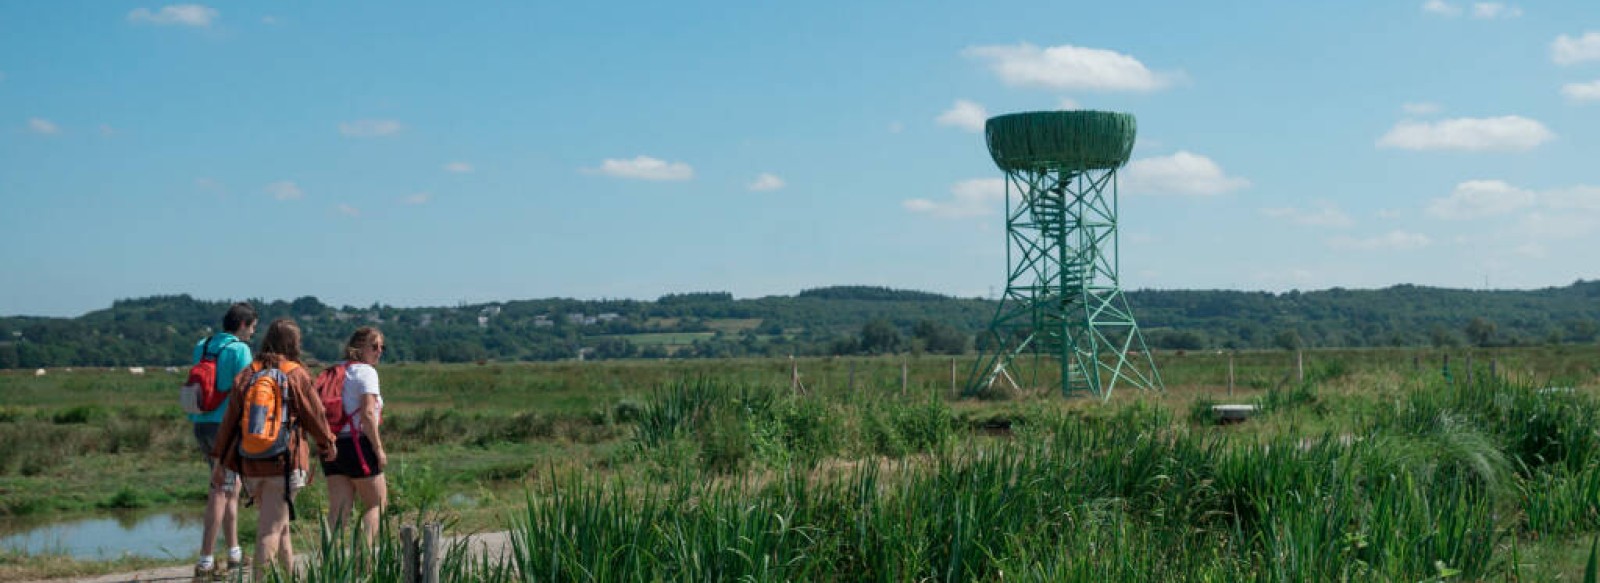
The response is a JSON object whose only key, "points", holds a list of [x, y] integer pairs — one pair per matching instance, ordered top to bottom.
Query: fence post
{"points": [[1300, 364], [1494, 365], [1447, 369], [1469, 369], [904, 372], [1230, 374], [952, 376], [430, 547], [408, 554]]}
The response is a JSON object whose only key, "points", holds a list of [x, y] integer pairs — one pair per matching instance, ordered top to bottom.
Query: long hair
{"points": [[364, 336], [282, 342]]}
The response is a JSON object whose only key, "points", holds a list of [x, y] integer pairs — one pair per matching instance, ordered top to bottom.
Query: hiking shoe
{"points": [[243, 562], [205, 575]]}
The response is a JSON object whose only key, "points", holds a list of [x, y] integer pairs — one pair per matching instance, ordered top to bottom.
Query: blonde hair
{"points": [[363, 337]]}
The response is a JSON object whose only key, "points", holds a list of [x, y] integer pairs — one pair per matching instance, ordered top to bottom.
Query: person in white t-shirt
{"points": [[358, 471]]}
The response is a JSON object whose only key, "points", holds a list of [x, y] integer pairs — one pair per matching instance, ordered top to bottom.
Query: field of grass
{"points": [[667, 338], [1362, 465]]}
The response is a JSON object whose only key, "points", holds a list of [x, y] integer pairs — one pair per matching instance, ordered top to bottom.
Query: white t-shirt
{"points": [[359, 379]]}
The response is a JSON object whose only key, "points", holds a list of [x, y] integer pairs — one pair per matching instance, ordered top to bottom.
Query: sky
{"points": [[429, 154]]}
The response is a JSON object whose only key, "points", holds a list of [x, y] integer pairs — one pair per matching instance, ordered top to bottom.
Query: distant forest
{"points": [[845, 320]]}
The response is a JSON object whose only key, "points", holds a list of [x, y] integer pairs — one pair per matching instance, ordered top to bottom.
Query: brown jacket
{"points": [[305, 410]]}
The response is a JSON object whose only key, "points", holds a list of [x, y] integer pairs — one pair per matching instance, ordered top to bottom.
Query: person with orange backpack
{"points": [[217, 359], [350, 396], [263, 438]]}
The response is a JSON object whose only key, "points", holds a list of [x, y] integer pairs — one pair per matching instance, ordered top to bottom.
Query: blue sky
{"points": [[421, 153]]}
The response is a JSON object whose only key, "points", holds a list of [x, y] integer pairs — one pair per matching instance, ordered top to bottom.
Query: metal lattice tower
{"points": [[1063, 311]]}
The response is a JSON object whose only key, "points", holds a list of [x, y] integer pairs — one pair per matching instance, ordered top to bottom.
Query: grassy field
{"points": [[1368, 465]]}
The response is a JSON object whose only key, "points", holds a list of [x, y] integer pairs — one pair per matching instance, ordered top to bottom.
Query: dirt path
{"points": [[489, 543]]}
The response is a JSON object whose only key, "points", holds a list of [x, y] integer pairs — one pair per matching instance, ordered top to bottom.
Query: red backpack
{"points": [[330, 389], [199, 393]]}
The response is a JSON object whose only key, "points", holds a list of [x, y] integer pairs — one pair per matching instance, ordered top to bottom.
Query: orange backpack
{"points": [[267, 423]]}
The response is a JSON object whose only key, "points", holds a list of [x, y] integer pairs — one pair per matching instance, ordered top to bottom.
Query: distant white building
{"points": [[608, 316], [136, 370]]}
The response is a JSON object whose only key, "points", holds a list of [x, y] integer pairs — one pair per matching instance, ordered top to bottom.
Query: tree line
{"points": [[841, 320]]}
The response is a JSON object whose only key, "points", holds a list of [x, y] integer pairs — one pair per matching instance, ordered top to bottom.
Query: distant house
{"points": [[608, 316], [483, 321], [542, 322], [136, 370]]}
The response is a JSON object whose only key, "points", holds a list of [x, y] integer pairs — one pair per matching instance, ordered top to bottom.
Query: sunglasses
{"points": [[378, 347]]}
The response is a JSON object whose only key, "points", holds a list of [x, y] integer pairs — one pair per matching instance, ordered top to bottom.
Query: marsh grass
{"points": [[1376, 468]]}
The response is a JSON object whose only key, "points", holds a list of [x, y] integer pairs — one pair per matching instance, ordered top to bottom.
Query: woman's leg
{"points": [[341, 495], [374, 495], [272, 530]]}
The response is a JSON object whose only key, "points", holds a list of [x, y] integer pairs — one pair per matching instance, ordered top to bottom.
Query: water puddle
{"points": [[166, 535]]}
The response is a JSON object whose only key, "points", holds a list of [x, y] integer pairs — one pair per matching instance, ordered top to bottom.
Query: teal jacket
{"points": [[233, 355]]}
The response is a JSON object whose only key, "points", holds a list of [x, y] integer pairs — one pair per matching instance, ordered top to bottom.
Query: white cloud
{"points": [[1440, 7], [1493, 10], [194, 15], [269, 20], [1568, 50], [1069, 68], [1582, 91], [1068, 104], [1421, 108], [965, 115], [43, 127], [896, 127], [369, 128], [1506, 133], [458, 167], [645, 168], [1181, 173], [766, 182], [209, 185], [285, 190], [418, 198], [969, 198], [1480, 198], [1583, 198], [349, 211], [1324, 215], [1547, 226], [1392, 241]]}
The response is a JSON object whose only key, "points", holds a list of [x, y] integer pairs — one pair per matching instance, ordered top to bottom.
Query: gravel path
{"points": [[490, 543]]}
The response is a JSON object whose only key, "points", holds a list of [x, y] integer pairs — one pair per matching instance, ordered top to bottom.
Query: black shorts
{"points": [[348, 463]]}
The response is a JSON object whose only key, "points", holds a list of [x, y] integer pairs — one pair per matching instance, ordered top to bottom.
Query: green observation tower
{"points": [[1063, 317]]}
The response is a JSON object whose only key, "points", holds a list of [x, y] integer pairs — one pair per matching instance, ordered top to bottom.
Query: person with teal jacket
{"points": [[232, 350]]}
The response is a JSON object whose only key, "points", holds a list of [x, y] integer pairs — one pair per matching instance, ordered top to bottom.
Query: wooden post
{"points": [[1416, 361], [1300, 364], [1494, 365], [1469, 369], [904, 372], [1230, 374], [794, 375], [952, 376], [431, 543], [408, 554]]}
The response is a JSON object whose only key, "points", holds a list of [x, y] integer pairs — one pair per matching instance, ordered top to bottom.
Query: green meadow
{"points": [[1358, 465]]}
